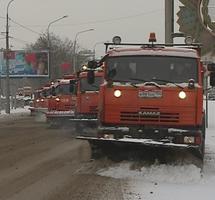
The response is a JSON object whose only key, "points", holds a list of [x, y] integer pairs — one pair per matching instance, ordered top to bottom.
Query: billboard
{"points": [[25, 63]]}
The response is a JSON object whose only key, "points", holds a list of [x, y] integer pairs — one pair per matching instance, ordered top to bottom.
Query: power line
{"points": [[104, 20], [25, 27], [19, 40]]}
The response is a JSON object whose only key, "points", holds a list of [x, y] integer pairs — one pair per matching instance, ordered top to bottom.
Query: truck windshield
{"points": [[152, 68], [85, 86], [63, 89], [46, 92]]}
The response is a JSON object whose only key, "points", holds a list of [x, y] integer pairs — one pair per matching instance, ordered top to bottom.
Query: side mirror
{"points": [[92, 64], [211, 69], [90, 77], [212, 79], [72, 86], [53, 93]]}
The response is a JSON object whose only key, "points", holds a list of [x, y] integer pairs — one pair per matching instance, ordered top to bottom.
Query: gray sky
{"points": [[132, 20]]}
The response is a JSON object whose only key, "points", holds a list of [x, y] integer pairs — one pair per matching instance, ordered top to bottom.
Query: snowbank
{"points": [[15, 113], [167, 182]]}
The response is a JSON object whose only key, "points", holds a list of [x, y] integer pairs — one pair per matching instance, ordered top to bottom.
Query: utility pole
{"points": [[169, 21], [7, 110]]}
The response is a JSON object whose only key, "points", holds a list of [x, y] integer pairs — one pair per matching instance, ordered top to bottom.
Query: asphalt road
{"points": [[37, 162]]}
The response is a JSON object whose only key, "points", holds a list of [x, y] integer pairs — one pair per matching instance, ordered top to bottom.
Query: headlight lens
{"points": [[117, 93], [182, 95], [57, 99], [37, 100], [42, 100]]}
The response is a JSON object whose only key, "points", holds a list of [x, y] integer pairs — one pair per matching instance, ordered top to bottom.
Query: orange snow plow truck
{"points": [[152, 97], [62, 106], [86, 110]]}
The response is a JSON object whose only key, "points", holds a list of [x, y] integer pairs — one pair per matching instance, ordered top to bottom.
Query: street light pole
{"points": [[52, 22], [48, 39], [74, 47], [7, 110]]}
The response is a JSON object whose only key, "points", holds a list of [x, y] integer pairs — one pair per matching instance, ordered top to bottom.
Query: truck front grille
{"points": [[149, 115]]}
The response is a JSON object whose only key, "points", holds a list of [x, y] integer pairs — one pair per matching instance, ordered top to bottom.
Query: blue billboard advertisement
{"points": [[25, 64]]}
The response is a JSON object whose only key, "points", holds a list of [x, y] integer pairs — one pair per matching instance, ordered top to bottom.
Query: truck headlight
{"points": [[117, 93], [182, 95], [57, 99], [37, 100], [42, 100]]}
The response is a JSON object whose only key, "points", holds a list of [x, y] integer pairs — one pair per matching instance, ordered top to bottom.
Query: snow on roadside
{"points": [[14, 113], [155, 173], [167, 182]]}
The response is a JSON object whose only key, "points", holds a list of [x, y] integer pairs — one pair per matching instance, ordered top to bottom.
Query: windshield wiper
{"points": [[127, 81], [165, 81], [146, 82]]}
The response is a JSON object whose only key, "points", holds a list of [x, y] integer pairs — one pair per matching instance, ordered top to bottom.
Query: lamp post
{"points": [[52, 22], [48, 39], [74, 47], [7, 110]]}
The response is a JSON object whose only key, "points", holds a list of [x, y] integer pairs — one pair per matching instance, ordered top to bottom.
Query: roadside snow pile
{"points": [[14, 113], [155, 173]]}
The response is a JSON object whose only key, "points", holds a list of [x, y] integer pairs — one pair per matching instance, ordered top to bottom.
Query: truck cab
{"points": [[63, 100], [87, 100]]}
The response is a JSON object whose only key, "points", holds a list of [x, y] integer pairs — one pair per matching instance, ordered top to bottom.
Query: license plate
{"points": [[150, 94]]}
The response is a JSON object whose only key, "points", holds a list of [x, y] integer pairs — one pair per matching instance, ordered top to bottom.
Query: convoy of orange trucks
{"points": [[144, 94], [152, 96]]}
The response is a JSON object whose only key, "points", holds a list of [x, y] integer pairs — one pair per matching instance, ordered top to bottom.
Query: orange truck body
{"points": [[88, 95], [41, 100], [62, 104], [141, 108], [86, 109]]}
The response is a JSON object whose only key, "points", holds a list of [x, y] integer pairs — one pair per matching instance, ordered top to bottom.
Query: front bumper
{"points": [[60, 114], [150, 136], [144, 142]]}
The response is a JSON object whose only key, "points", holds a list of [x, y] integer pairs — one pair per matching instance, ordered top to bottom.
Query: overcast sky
{"points": [[131, 19]]}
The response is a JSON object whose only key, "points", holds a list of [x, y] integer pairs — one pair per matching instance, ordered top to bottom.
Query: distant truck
{"points": [[152, 96], [41, 99], [62, 103], [86, 108]]}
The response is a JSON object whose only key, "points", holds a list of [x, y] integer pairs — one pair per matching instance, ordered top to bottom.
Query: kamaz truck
{"points": [[152, 97]]}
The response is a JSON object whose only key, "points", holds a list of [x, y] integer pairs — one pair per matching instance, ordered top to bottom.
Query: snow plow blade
{"points": [[145, 142], [144, 149]]}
